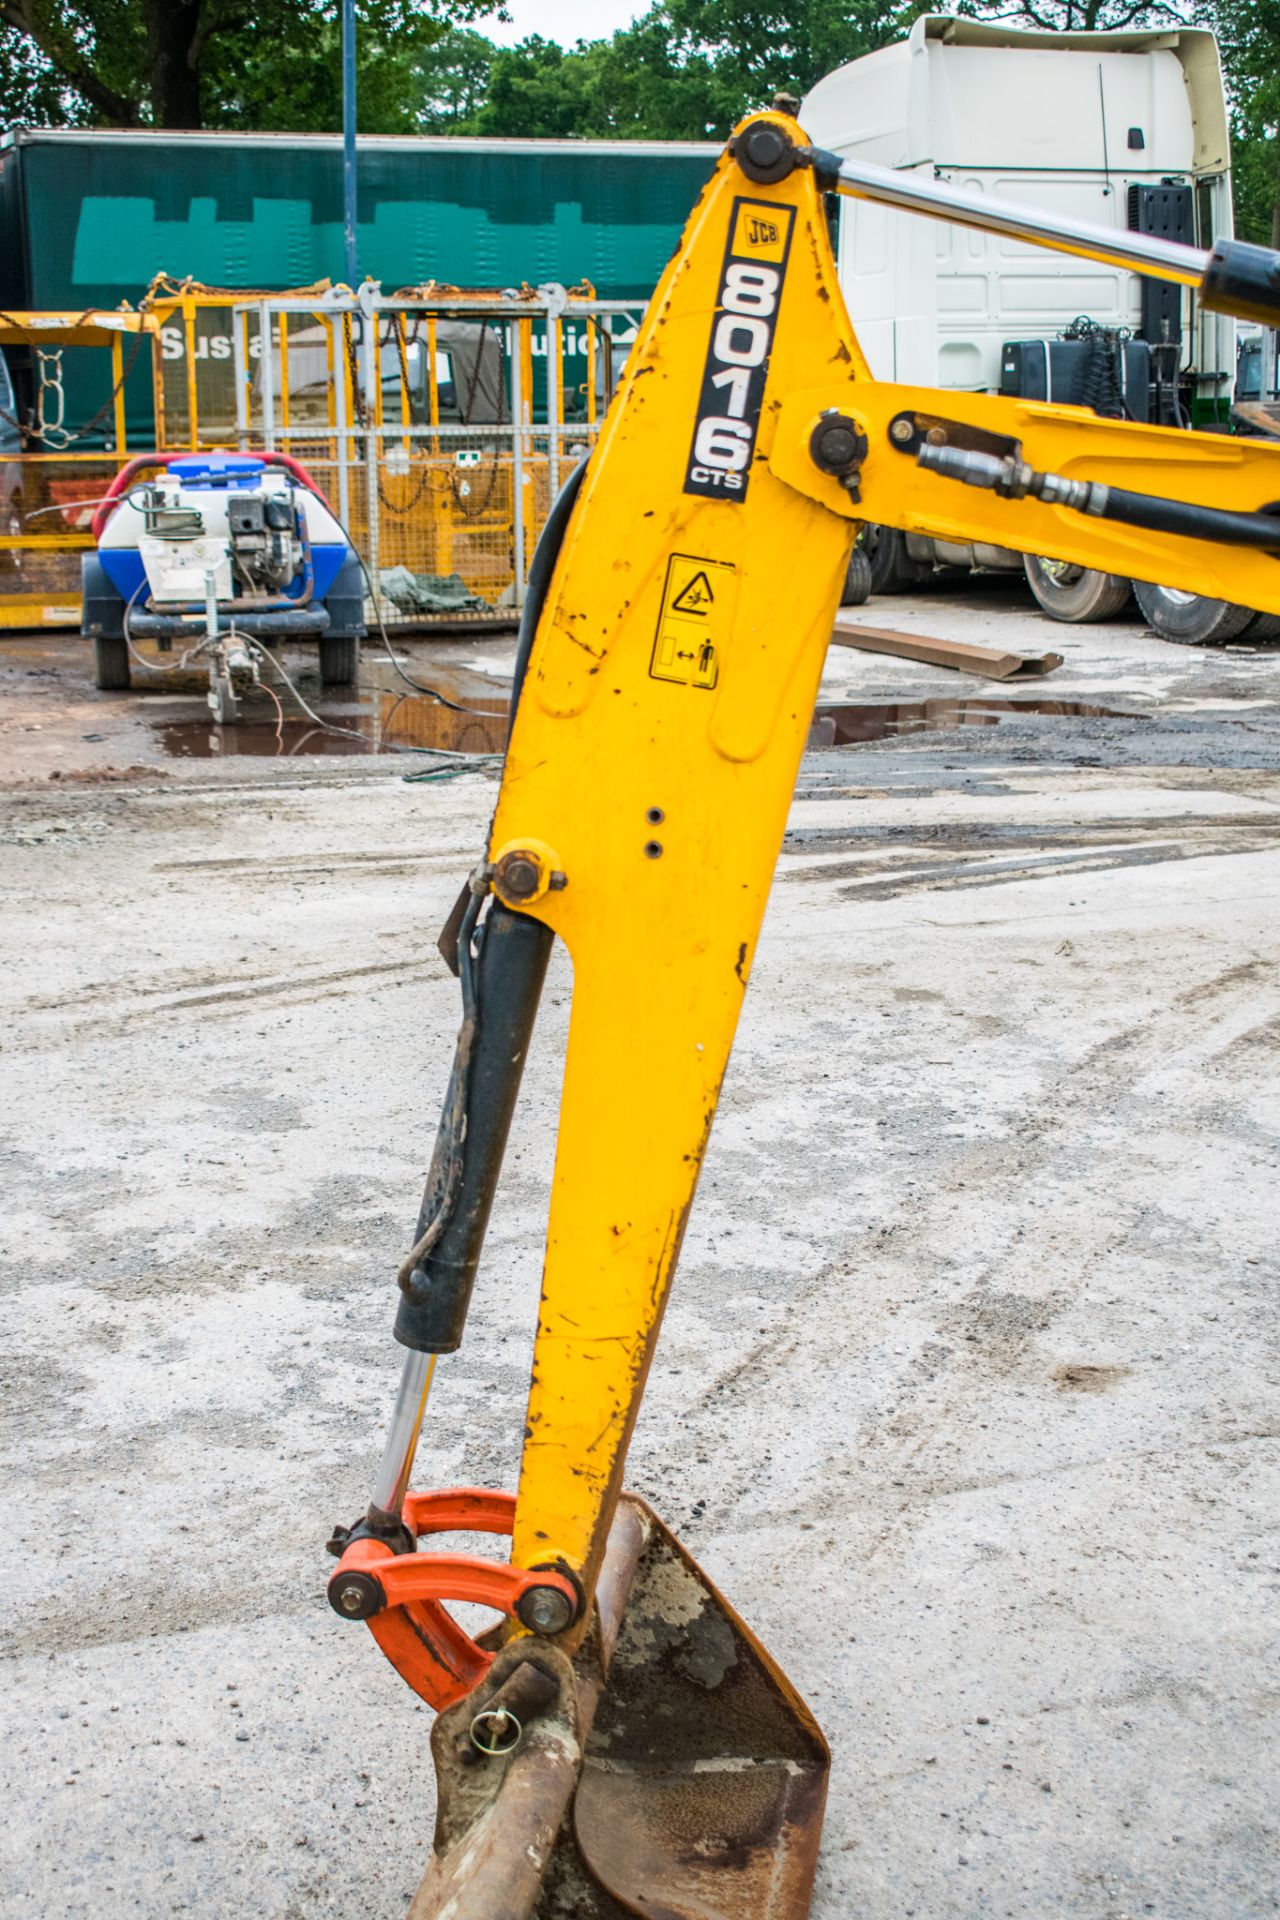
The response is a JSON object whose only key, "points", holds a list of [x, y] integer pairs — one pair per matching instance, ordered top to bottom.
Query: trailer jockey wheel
{"points": [[339, 659]]}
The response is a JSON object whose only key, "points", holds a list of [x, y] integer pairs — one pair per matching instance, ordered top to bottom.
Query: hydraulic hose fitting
{"points": [[1013, 479]]}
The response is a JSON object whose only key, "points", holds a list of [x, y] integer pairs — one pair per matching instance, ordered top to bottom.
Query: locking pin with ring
{"points": [[497, 1729], [503, 1729]]}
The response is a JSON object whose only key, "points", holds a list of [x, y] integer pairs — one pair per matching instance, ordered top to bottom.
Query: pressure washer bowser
{"points": [[225, 553]]}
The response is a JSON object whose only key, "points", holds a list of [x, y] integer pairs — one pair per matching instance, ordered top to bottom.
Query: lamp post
{"points": [[349, 203]]}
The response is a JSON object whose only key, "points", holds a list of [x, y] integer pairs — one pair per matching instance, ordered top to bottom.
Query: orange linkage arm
{"points": [[401, 1595]]}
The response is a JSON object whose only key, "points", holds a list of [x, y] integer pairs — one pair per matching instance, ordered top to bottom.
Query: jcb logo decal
{"points": [[737, 363]]}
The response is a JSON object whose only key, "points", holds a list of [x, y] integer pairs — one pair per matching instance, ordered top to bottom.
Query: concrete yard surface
{"points": [[967, 1391]]}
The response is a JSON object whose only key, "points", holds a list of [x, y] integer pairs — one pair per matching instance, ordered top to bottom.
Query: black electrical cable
{"points": [[416, 686]]}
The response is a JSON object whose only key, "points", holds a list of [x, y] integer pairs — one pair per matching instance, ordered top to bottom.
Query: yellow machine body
{"points": [[661, 714]]}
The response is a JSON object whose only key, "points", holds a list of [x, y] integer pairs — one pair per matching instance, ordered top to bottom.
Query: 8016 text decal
{"points": [[737, 364]]}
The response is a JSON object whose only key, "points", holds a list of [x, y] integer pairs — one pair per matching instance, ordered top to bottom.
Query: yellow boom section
{"points": [[654, 754]]}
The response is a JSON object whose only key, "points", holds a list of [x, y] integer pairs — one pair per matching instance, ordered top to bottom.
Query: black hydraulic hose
{"points": [[1014, 480], [1192, 522], [500, 1004], [487, 1069]]}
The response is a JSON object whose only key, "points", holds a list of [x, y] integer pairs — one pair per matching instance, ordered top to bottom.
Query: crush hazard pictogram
{"points": [[697, 598]]}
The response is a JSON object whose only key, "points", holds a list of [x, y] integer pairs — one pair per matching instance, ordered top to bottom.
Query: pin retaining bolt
{"points": [[524, 870], [356, 1596], [545, 1610]]}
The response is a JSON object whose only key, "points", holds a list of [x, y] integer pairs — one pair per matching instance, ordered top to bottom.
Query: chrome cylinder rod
{"points": [[1114, 247], [391, 1482]]}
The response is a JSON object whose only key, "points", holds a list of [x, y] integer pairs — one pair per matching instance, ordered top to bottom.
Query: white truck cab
{"points": [[1125, 129]]}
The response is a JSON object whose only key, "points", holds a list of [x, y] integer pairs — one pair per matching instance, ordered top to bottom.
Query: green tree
{"points": [[1083, 16], [1249, 37], [756, 47], [192, 63], [687, 69], [451, 81], [539, 90]]}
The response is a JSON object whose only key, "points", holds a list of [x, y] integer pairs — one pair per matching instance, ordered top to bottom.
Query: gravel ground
{"points": [[967, 1389]]}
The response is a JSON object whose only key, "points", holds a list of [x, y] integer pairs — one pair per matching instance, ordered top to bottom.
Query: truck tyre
{"points": [[892, 568], [857, 580], [1077, 595], [1189, 619], [1263, 626], [339, 659], [110, 664]]}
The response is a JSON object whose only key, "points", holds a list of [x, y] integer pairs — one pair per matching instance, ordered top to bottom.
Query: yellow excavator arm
{"points": [[680, 611]]}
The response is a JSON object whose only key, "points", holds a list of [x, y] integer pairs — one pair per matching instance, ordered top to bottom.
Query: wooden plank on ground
{"points": [[960, 655]]}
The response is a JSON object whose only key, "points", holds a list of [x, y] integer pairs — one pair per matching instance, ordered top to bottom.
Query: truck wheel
{"points": [[892, 568], [857, 580], [1074, 594], [1189, 619], [1263, 626], [339, 659], [110, 664]]}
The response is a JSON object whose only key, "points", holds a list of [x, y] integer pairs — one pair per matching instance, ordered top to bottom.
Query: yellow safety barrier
{"points": [[439, 422], [51, 472]]}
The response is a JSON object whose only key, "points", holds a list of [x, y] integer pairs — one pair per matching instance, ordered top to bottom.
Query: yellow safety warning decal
{"points": [[697, 605]]}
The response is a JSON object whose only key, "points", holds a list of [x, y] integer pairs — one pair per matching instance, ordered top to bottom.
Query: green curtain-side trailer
{"points": [[89, 218]]}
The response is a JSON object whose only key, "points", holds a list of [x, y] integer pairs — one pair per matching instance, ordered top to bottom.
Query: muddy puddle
{"points": [[386, 722], [390, 722], [849, 725]]}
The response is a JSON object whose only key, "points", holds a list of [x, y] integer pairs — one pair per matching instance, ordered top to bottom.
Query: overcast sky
{"points": [[562, 20]]}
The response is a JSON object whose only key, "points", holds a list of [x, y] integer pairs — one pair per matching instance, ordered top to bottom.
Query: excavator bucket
{"points": [[668, 1770]]}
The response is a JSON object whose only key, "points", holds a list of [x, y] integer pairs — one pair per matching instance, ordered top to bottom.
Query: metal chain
{"points": [[357, 398], [29, 430], [51, 430]]}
